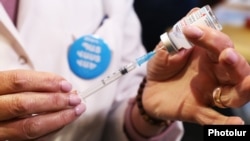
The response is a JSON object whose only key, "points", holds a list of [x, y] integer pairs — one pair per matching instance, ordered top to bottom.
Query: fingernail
{"points": [[193, 31], [180, 52], [232, 57], [65, 86], [74, 100], [80, 109], [243, 122]]}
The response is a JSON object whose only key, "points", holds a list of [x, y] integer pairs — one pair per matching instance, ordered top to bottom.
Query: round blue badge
{"points": [[89, 57]]}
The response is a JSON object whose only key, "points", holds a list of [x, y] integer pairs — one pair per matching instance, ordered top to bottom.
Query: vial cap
{"points": [[168, 44]]}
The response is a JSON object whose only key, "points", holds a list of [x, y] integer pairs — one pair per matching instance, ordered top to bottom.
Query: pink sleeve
{"points": [[173, 133]]}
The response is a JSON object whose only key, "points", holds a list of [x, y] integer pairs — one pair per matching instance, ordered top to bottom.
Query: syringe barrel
{"points": [[131, 66], [122, 71], [109, 79]]}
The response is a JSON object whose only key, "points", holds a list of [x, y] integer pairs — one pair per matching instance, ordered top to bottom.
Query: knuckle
{"points": [[228, 43], [23, 79], [19, 80], [51, 81], [59, 100], [17, 106], [65, 118], [31, 128]]}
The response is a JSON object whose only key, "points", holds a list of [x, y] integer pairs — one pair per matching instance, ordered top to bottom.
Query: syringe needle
{"points": [[146, 57]]}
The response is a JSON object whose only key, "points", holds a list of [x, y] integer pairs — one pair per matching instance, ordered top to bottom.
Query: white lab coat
{"points": [[46, 29]]}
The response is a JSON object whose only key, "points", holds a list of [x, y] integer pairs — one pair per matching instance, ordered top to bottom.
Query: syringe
{"points": [[117, 74]]}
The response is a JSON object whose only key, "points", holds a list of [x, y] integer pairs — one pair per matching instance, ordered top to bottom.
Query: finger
{"points": [[193, 10], [208, 38], [234, 64], [164, 65], [237, 71], [25, 80], [236, 96], [18, 105], [207, 116], [37, 126], [47, 136]]}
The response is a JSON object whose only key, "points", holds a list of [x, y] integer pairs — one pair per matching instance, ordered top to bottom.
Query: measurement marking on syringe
{"points": [[123, 71]]}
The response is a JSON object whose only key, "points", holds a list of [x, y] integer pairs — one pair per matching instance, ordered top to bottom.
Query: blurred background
{"points": [[234, 15], [156, 16]]}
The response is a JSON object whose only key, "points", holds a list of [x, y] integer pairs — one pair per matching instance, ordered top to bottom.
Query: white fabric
{"points": [[48, 27]]}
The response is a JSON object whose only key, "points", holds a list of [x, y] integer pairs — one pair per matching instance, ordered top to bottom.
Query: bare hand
{"points": [[181, 86], [34, 104]]}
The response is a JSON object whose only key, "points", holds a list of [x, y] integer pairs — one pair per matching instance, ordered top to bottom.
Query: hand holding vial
{"points": [[210, 73]]}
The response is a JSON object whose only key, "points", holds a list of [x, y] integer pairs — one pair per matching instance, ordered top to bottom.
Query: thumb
{"points": [[163, 65], [211, 117]]}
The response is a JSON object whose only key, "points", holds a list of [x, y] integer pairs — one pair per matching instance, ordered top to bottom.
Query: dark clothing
{"points": [[158, 15]]}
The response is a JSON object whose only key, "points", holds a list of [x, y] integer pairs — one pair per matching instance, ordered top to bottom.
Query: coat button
{"points": [[22, 60]]}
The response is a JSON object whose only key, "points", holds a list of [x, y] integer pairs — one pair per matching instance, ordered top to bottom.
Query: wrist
{"points": [[145, 124], [144, 127]]}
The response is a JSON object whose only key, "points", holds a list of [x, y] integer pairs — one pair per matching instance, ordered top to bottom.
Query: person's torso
{"points": [[46, 33]]}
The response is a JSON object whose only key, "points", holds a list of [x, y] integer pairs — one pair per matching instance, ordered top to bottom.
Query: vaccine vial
{"points": [[174, 40]]}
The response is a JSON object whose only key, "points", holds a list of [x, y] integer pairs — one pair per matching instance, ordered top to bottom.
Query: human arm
{"points": [[35, 104]]}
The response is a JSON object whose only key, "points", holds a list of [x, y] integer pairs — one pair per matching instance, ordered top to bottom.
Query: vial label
{"points": [[203, 16]]}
